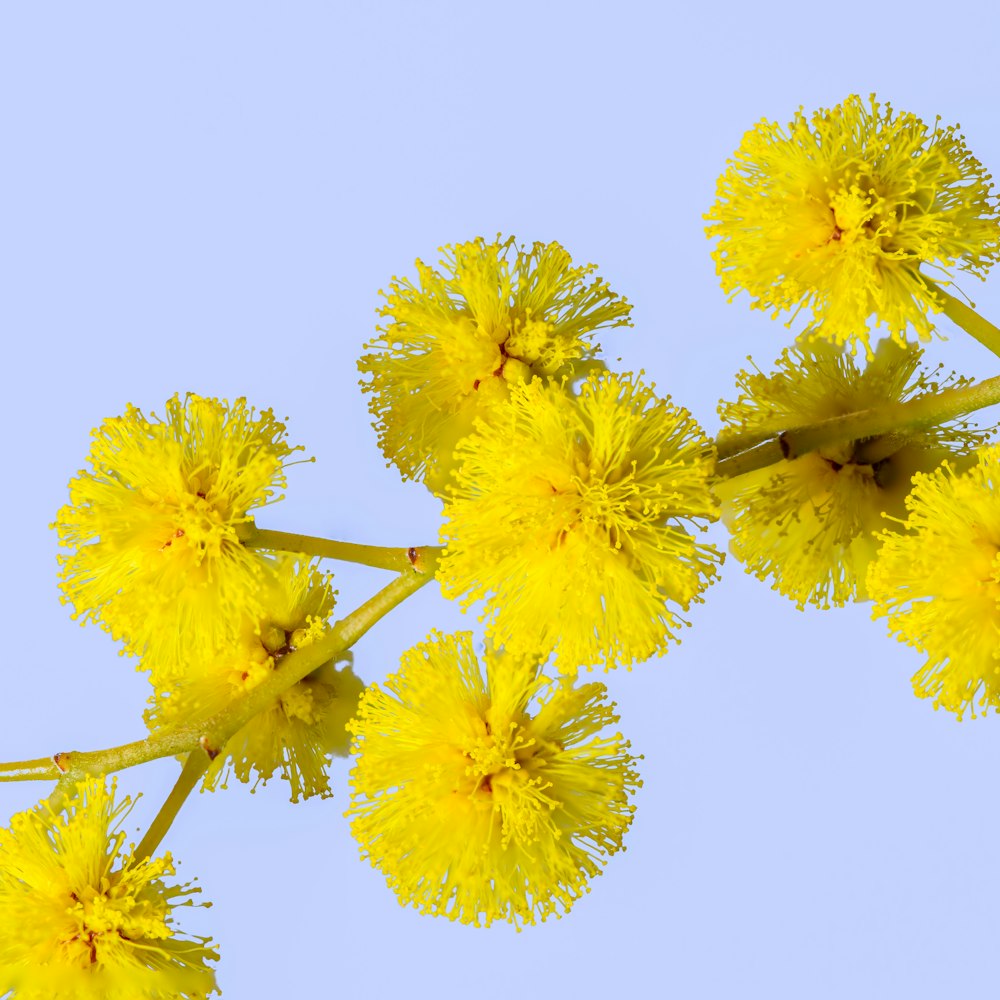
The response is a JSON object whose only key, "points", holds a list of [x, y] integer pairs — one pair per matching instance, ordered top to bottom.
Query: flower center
{"points": [[860, 213], [870, 458], [494, 758], [105, 916]]}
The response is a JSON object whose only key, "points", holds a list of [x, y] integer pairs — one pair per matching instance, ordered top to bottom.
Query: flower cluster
{"points": [[838, 212], [492, 317], [569, 515], [810, 522], [154, 524], [938, 583], [306, 724], [487, 792], [83, 919]]}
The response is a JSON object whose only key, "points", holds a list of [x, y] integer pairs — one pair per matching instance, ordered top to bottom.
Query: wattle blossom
{"points": [[845, 212]]}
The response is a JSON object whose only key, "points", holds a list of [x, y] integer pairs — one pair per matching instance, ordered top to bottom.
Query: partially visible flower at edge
{"points": [[838, 213], [490, 317], [570, 514], [809, 523], [153, 526], [938, 583], [307, 723], [487, 798], [81, 919]]}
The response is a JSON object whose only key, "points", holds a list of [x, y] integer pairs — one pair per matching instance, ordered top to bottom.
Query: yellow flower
{"points": [[838, 213], [491, 317], [568, 514], [808, 523], [157, 559], [938, 582], [307, 724], [475, 809], [80, 919]]}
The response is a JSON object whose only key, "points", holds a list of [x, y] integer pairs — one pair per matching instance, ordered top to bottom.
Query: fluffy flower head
{"points": [[838, 212], [489, 317], [569, 514], [809, 523], [153, 524], [938, 582], [307, 723], [487, 798], [82, 920]]}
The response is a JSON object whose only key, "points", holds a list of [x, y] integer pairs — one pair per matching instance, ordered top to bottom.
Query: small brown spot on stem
{"points": [[412, 555], [210, 750], [61, 760]]}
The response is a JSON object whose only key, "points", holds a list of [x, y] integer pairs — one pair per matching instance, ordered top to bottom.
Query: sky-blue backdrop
{"points": [[208, 196]]}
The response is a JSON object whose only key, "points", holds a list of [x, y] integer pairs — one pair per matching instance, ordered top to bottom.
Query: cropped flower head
{"points": [[838, 213], [491, 316], [572, 515], [809, 523], [152, 526], [938, 583], [307, 723], [485, 798], [83, 919]]}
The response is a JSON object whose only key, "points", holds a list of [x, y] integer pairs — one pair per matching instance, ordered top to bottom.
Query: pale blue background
{"points": [[208, 196]]}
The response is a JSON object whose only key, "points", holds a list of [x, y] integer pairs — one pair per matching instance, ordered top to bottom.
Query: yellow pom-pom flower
{"points": [[838, 213], [490, 317], [570, 514], [809, 523], [153, 525], [938, 582], [307, 723], [487, 798], [83, 919]]}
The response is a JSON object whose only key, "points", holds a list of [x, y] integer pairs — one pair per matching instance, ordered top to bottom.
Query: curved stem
{"points": [[968, 319], [924, 411], [379, 556], [212, 735], [58, 796]]}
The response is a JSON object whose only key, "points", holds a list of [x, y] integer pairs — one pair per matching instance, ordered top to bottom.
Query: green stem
{"points": [[968, 319], [893, 418], [730, 446], [760, 456], [379, 556], [212, 735], [194, 767], [29, 770], [61, 792]]}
